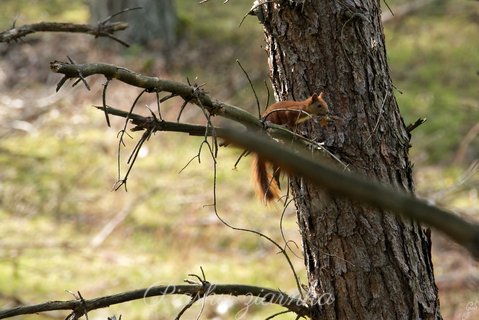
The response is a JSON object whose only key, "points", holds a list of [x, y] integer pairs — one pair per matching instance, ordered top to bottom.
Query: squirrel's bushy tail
{"points": [[267, 186]]}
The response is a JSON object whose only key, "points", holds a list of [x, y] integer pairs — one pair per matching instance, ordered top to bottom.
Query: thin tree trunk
{"points": [[374, 264]]}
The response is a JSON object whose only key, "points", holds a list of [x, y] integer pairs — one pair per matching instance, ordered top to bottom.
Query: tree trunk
{"points": [[156, 23], [374, 264]]}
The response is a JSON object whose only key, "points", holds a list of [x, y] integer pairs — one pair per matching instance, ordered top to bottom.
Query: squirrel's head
{"points": [[318, 105]]}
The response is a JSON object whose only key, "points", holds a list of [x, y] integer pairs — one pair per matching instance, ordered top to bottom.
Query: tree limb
{"points": [[100, 30], [189, 93], [142, 123], [358, 188], [79, 307]]}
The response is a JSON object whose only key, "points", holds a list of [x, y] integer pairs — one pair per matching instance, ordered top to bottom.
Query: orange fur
{"points": [[289, 113], [292, 113], [267, 187]]}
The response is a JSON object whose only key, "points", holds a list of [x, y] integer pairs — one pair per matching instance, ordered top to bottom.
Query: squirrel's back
{"points": [[289, 113]]}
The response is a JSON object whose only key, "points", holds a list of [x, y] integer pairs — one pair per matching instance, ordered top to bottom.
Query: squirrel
{"points": [[290, 114]]}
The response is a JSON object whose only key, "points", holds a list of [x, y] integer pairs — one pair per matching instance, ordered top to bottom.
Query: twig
{"points": [[389, 8], [405, 9], [253, 11], [104, 21], [80, 76], [252, 87], [268, 94], [103, 99], [158, 105], [181, 110], [381, 111], [143, 123], [416, 124], [214, 136], [469, 138], [243, 154], [122, 181], [461, 183], [109, 227], [286, 242], [282, 251], [277, 314]]}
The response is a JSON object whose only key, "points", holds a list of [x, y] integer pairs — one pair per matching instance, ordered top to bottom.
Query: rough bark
{"points": [[375, 265]]}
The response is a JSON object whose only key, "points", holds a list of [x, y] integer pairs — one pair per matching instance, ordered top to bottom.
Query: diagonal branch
{"points": [[155, 84], [355, 187], [80, 307]]}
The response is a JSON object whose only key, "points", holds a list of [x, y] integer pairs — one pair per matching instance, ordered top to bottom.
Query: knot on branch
{"points": [[107, 29], [69, 73], [198, 95], [205, 284], [80, 310]]}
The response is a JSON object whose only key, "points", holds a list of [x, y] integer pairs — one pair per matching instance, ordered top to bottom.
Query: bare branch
{"points": [[404, 10], [107, 19], [100, 30], [154, 84], [252, 87], [103, 96], [143, 123], [416, 124], [469, 138], [136, 150], [358, 188], [81, 306]]}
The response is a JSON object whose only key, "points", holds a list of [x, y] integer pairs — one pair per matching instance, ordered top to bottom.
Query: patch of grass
{"points": [[26, 11], [433, 64], [167, 234]]}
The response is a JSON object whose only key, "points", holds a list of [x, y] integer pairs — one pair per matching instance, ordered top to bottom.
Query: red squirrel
{"points": [[289, 113]]}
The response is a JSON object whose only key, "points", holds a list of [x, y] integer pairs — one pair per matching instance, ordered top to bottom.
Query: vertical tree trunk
{"points": [[155, 23], [374, 264]]}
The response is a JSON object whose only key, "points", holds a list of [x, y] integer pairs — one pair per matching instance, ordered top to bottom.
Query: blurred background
{"points": [[64, 229]]}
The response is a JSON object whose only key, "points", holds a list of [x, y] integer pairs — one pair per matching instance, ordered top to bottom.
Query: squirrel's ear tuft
{"points": [[314, 96]]}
